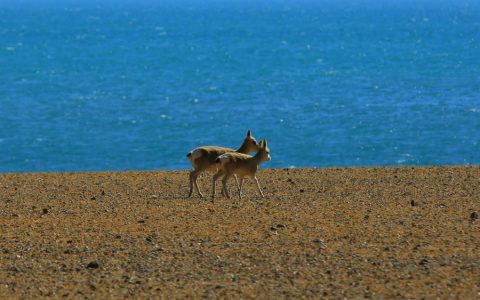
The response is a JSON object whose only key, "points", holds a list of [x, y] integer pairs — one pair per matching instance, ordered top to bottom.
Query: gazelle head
{"points": [[250, 143], [264, 151]]}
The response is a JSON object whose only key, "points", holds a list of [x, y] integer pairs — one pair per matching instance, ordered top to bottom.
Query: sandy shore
{"points": [[403, 233]]}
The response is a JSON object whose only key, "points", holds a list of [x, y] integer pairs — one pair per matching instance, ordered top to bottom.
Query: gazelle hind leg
{"points": [[217, 175], [236, 181], [193, 182], [224, 182], [258, 185], [196, 186], [240, 188], [223, 191]]}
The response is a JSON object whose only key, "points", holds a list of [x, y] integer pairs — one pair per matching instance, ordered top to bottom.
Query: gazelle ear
{"points": [[249, 133], [261, 143], [265, 143]]}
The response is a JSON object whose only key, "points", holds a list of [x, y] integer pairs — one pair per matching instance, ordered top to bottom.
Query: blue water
{"points": [[103, 85]]}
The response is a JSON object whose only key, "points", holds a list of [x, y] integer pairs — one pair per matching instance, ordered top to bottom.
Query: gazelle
{"points": [[203, 158], [243, 165]]}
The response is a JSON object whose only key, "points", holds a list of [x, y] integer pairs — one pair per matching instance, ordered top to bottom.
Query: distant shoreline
{"points": [[275, 168]]}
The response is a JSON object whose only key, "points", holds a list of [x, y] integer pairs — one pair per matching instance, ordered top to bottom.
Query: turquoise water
{"points": [[100, 85]]}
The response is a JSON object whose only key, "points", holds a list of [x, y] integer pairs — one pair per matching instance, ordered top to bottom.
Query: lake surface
{"points": [[100, 85]]}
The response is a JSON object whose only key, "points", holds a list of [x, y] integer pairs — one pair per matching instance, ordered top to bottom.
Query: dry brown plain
{"points": [[334, 233]]}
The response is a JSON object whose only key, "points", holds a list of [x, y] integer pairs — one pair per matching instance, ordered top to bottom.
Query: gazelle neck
{"points": [[243, 148], [258, 157]]}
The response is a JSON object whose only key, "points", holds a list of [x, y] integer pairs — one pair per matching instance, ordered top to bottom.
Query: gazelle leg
{"points": [[215, 177], [224, 181], [236, 181], [193, 182], [258, 185], [196, 186], [240, 188], [223, 191]]}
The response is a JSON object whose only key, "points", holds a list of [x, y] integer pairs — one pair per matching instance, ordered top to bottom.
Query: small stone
{"points": [[302, 190], [45, 211], [473, 216], [280, 226], [320, 243], [423, 261], [93, 265], [16, 269]]}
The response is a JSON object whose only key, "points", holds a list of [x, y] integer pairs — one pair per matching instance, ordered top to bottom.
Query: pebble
{"points": [[473, 216], [320, 243], [423, 261], [93, 265], [16, 269]]}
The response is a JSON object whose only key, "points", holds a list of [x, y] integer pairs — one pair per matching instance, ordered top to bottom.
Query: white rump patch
{"points": [[196, 153], [223, 159]]}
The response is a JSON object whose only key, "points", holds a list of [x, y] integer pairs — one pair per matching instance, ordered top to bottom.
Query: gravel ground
{"points": [[403, 233]]}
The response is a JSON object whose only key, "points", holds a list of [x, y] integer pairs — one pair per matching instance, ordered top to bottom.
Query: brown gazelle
{"points": [[203, 158], [242, 165]]}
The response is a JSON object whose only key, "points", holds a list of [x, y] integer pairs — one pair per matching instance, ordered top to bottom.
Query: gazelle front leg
{"points": [[258, 185]]}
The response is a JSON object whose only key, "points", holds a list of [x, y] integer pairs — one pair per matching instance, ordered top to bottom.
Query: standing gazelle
{"points": [[203, 158], [243, 165]]}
